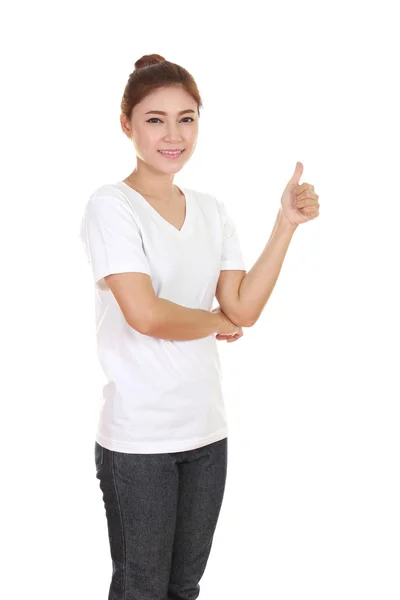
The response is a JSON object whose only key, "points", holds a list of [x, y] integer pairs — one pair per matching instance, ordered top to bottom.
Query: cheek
{"points": [[194, 131], [191, 138], [146, 143]]}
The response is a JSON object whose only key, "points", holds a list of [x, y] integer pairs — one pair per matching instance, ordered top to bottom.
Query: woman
{"points": [[159, 255]]}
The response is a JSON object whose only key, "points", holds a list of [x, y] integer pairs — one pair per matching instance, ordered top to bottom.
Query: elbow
{"points": [[244, 316], [249, 317], [244, 320], [248, 322], [143, 324], [148, 325], [146, 329]]}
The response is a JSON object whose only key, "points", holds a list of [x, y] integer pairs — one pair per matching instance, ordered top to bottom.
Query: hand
{"points": [[299, 202], [235, 331], [229, 337]]}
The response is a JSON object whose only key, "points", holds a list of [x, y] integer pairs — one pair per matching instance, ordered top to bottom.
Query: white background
{"points": [[311, 508]]}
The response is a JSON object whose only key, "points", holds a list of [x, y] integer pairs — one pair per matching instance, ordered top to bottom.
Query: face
{"points": [[151, 132]]}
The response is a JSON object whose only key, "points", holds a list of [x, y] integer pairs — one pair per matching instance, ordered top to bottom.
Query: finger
{"points": [[303, 187], [307, 194], [307, 202], [311, 212], [235, 337]]}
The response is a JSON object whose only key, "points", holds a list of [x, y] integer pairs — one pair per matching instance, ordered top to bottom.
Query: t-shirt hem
{"points": [[229, 265], [127, 268], [160, 447]]}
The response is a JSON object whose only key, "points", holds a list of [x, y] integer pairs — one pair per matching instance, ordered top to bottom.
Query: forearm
{"points": [[258, 284], [172, 321]]}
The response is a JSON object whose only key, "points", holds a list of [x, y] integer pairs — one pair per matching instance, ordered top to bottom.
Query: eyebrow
{"points": [[161, 112]]}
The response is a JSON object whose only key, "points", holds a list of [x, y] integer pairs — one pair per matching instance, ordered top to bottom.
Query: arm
{"points": [[114, 247], [258, 284], [242, 296], [158, 317], [172, 321]]}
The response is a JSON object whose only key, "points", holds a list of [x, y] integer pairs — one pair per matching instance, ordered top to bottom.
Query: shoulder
{"points": [[108, 190], [204, 195], [109, 197], [204, 198], [108, 203]]}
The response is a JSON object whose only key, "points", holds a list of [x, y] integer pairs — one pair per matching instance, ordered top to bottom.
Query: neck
{"points": [[158, 186]]}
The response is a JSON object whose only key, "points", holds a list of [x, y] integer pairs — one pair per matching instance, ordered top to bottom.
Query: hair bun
{"points": [[147, 60]]}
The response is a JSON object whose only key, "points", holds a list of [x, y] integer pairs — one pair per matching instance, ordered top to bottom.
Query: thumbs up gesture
{"points": [[299, 202]]}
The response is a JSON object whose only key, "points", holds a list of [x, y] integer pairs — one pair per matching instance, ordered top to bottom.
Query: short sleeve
{"points": [[111, 238], [231, 255]]}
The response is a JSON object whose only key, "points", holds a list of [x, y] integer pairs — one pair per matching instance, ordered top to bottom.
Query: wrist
{"points": [[284, 224], [217, 319], [221, 320]]}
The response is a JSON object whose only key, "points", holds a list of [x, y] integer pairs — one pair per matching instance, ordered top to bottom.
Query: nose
{"points": [[173, 133]]}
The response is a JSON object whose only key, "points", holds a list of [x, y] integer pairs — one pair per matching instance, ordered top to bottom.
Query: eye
{"points": [[157, 119]]}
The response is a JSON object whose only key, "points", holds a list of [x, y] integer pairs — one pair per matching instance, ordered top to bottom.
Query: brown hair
{"points": [[151, 73]]}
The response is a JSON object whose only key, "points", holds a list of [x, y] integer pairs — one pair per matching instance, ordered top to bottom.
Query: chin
{"points": [[171, 166], [174, 170]]}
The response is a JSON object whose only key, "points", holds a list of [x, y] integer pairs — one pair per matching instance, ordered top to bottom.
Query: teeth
{"points": [[169, 152]]}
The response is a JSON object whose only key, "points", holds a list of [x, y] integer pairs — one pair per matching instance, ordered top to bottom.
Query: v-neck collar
{"points": [[180, 233]]}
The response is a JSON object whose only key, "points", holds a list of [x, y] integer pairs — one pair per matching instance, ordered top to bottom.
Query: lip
{"points": [[171, 150], [175, 156]]}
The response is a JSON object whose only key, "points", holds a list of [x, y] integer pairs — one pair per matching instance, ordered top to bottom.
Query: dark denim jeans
{"points": [[162, 511]]}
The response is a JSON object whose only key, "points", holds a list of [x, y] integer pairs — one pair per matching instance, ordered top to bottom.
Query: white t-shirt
{"points": [[161, 395]]}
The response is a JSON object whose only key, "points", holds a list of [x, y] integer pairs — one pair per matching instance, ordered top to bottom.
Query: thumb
{"points": [[298, 172]]}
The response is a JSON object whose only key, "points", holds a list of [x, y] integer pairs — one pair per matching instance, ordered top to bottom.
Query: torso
{"points": [[173, 212], [160, 396]]}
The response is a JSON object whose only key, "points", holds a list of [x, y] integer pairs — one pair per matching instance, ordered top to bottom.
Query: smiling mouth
{"points": [[171, 155]]}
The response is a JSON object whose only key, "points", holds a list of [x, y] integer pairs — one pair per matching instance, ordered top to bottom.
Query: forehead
{"points": [[171, 100]]}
